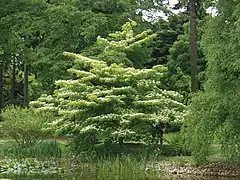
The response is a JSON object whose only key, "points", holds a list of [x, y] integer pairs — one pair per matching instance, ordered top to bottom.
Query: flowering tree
{"points": [[125, 46], [110, 101]]}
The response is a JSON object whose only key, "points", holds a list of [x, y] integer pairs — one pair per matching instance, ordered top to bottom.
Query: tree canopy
{"points": [[123, 47], [127, 65], [112, 100], [214, 114]]}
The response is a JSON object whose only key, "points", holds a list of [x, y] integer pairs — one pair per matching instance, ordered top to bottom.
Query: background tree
{"points": [[196, 11], [17, 25], [57, 26], [47, 28], [167, 32], [193, 44], [179, 68], [1, 81], [215, 112]]}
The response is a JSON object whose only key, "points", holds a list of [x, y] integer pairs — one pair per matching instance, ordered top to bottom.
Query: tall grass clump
{"points": [[44, 149], [126, 167]]}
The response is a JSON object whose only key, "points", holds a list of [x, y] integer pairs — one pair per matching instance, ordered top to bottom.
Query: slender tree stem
{"points": [[193, 45], [2, 81], [13, 82], [26, 83]]}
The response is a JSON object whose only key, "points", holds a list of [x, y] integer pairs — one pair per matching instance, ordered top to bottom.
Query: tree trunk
{"points": [[193, 45], [1, 83], [26, 83], [13, 94], [121, 141]]}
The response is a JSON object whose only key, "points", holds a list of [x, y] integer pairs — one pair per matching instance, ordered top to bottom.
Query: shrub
{"points": [[202, 124], [26, 126], [84, 142], [177, 143]]}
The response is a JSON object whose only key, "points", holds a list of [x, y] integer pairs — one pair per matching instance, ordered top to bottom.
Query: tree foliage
{"points": [[38, 31], [167, 33], [123, 47], [179, 62], [112, 101], [215, 112], [26, 127]]}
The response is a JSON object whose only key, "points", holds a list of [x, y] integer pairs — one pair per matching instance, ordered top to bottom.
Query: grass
{"points": [[170, 136], [5, 145], [47, 148], [53, 148], [57, 148], [179, 160], [131, 161], [133, 166], [112, 168], [115, 168]]}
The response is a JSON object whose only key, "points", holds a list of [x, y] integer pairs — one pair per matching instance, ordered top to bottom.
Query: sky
{"points": [[172, 2], [210, 10], [153, 16]]}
